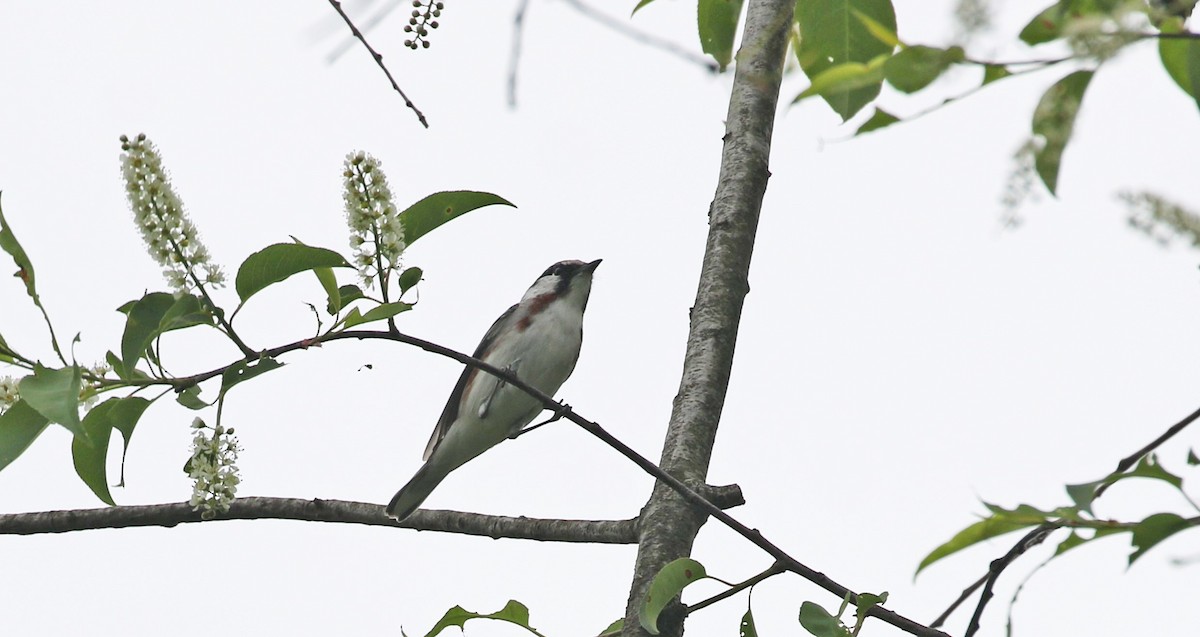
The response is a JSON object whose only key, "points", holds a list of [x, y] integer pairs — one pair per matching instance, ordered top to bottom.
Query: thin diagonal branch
{"points": [[641, 37], [375, 55], [514, 56]]}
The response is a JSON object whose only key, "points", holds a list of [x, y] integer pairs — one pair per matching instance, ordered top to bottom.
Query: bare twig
{"points": [[337, 6], [641, 37], [514, 56], [773, 570]]}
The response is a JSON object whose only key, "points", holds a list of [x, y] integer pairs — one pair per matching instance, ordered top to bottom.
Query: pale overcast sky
{"points": [[901, 356]]}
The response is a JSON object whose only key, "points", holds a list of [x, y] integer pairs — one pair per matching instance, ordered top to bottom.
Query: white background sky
{"points": [[900, 358]]}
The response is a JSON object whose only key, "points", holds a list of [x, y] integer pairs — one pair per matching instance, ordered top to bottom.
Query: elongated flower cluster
{"points": [[376, 233], [170, 236], [8, 393], [213, 470]]}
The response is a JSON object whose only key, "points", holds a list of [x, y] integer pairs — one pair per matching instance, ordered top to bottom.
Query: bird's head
{"points": [[570, 281]]}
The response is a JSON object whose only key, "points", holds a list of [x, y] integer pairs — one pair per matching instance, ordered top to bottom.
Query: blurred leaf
{"points": [[639, 6], [718, 21], [1046, 26], [877, 30], [834, 32], [1181, 58], [916, 67], [993, 72], [844, 78], [879, 119], [1053, 122], [427, 214], [9, 243], [279, 261], [409, 278], [378, 313], [142, 326], [5, 358], [241, 372], [54, 393], [190, 398], [20, 425], [1192, 459], [1147, 467], [1000, 522], [1153, 530], [1075, 539], [667, 584], [867, 601], [514, 612], [817, 621], [746, 628], [614, 629]]}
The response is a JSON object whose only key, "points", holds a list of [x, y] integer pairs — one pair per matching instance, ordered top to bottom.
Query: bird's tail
{"points": [[411, 495]]}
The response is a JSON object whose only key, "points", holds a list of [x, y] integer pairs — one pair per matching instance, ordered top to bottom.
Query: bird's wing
{"points": [[450, 413]]}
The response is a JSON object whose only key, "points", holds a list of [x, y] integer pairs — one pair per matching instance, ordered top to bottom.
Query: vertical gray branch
{"points": [[668, 524]]}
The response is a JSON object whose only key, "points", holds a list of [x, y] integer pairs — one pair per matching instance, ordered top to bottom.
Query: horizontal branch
{"points": [[257, 508]]}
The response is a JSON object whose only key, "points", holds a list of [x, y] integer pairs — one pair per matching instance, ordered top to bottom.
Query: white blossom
{"points": [[376, 233], [8, 392], [213, 469]]}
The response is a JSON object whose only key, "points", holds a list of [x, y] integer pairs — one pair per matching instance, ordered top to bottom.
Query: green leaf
{"points": [[639, 6], [718, 21], [1046, 26], [834, 32], [880, 32], [1181, 58], [916, 67], [993, 72], [840, 79], [879, 119], [1053, 122], [427, 214], [9, 243], [277, 262], [408, 279], [329, 283], [346, 294], [186, 311], [378, 313], [143, 325], [5, 358], [241, 372], [54, 393], [190, 398], [124, 417], [20, 425], [91, 454], [1191, 458], [1148, 467], [1000, 522], [1153, 530], [1075, 539], [667, 585], [867, 601], [514, 612], [817, 621], [746, 627], [614, 629]]}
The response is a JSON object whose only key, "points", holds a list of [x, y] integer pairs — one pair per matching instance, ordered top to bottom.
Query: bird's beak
{"points": [[591, 267]]}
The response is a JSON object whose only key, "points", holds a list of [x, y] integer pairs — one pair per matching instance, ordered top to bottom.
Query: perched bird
{"points": [[537, 339]]}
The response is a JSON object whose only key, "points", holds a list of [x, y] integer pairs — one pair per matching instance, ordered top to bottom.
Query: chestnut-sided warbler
{"points": [[537, 339]]}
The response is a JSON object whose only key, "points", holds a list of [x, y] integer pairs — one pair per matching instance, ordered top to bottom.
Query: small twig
{"points": [[642, 37], [375, 55], [514, 56], [558, 415], [773, 570]]}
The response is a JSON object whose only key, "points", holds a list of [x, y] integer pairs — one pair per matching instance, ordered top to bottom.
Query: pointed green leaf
{"points": [[639, 6], [718, 22], [1046, 26], [878, 31], [834, 32], [1181, 58], [916, 67], [993, 72], [841, 78], [879, 119], [1053, 122], [427, 214], [9, 243], [277, 262], [329, 283], [188, 310], [378, 313], [143, 325], [4, 349], [241, 371], [54, 393], [124, 417], [20, 425], [91, 454], [1191, 458], [1147, 467], [1000, 522], [1153, 530], [1075, 539], [667, 584], [867, 601], [514, 612], [817, 621], [614, 629]]}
